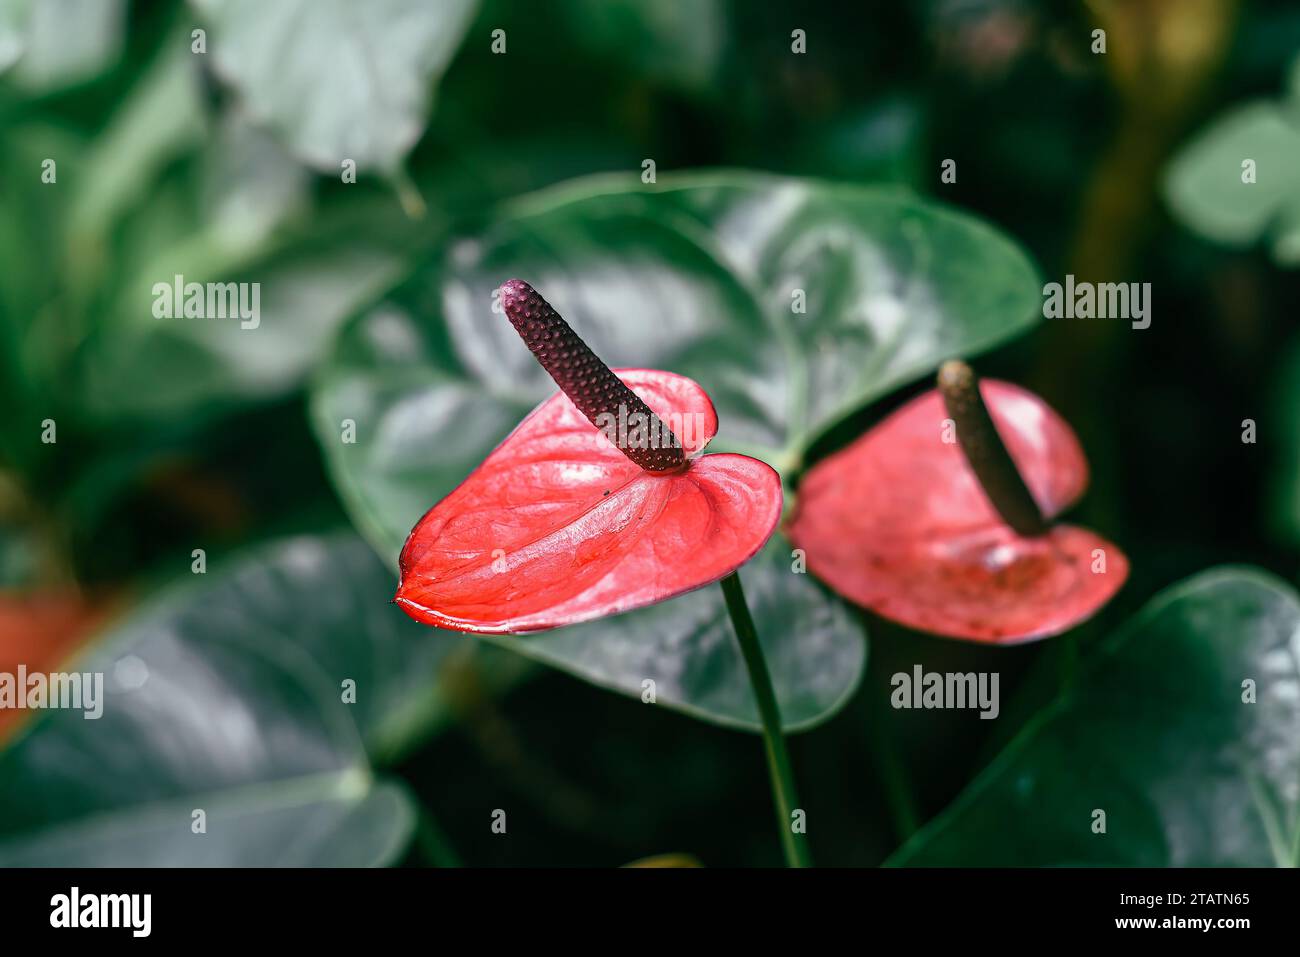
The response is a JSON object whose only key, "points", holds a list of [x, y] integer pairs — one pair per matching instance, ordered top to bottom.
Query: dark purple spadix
{"points": [[587, 381]]}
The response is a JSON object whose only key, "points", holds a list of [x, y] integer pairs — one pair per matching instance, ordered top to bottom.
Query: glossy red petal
{"points": [[898, 523], [557, 526]]}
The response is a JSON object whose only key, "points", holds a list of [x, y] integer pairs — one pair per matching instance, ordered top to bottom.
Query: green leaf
{"points": [[14, 17], [52, 44], [334, 79], [160, 119], [1204, 183], [250, 184], [158, 207], [226, 223], [31, 244], [696, 276], [137, 365], [329, 596], [686, 646], [226, 694], [1156, 734]]}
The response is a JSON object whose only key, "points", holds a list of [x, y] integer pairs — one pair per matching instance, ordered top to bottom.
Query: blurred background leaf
{"points": [[14, 18], [55, 43], [335, 81], [1207, 183], [227, 694]]}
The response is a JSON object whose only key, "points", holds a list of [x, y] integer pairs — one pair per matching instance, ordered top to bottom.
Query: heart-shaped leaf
{"points": [[337, 81], [791, 303], [898, 522], [229, 695], [1182, 731]]}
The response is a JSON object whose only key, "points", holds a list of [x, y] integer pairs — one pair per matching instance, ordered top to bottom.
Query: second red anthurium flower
{"points": [[597, 503], [941, 517]]}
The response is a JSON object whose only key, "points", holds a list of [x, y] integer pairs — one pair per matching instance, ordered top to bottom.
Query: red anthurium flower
{"points": [[597, 503], [900, 521]]}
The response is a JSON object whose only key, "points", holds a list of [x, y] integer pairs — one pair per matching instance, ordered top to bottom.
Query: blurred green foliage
{"points": [[1238, 182]]}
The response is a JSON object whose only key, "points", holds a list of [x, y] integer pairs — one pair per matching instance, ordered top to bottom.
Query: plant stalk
{"points": [[794, 844]]}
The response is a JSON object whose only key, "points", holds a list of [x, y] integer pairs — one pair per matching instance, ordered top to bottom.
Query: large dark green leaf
{"points": [[336, 79], [697, 276], [329, 596], [688, 649], [226, 694], [1156, 734]]}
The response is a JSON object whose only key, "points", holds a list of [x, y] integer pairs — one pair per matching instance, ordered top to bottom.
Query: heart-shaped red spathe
{"points": [[898, 523], [557, 526]]}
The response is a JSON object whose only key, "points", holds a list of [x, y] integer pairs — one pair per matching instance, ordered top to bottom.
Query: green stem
{"points": [[794, 844]]}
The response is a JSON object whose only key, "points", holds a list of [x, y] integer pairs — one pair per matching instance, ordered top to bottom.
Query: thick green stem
{"points": [[794, 843]]}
